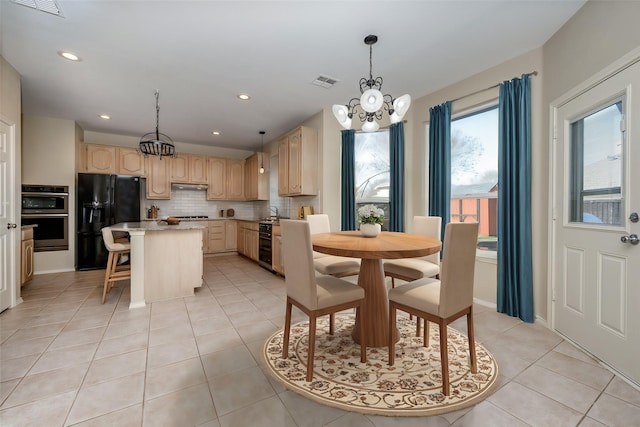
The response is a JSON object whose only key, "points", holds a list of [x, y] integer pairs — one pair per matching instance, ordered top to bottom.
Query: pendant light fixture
{"points": [[372, 102], [156, 143], [262, 152]]}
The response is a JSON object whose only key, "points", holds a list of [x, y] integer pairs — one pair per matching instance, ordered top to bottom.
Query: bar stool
{"points": [[116, 250]]}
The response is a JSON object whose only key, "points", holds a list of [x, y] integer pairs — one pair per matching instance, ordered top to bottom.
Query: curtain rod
{"points": [[533, 73]]}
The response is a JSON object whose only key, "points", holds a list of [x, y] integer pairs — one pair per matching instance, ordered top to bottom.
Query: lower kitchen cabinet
{"points": [[222, 236], [248, 239], [276, 250], [26, 256]]}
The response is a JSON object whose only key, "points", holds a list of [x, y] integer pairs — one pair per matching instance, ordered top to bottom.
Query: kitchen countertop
{"points": [[155, 226]]}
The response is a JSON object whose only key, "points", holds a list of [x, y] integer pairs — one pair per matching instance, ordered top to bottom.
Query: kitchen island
{"points": [[166, 260]]}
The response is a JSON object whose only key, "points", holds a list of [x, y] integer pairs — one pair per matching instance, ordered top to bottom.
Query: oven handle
{"points": [[45, 194], [59, 215]]}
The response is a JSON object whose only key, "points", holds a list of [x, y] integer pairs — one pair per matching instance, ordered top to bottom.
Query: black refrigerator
{"points": [[102, 200]]}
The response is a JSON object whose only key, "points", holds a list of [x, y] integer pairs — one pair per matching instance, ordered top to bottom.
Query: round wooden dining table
{"points": [[372, 250]]}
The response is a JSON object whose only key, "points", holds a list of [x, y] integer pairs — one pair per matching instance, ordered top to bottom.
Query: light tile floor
{"points": [[65, 359]]}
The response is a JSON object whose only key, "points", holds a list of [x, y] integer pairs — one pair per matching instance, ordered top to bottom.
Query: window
{"points": [[596, 166], [372, 171], [474, 173]]}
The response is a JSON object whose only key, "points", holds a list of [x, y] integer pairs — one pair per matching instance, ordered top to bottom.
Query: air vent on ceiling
{"points": [[49, 6], [324, 81]]}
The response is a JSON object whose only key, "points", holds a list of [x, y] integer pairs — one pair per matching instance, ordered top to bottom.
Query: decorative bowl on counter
{"points": [[171, 220]]}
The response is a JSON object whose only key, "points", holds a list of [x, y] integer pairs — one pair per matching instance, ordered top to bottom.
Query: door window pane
{"points": [[596, 166]]}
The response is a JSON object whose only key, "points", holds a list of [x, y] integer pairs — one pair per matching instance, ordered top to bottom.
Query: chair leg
{"points": [[107, 275], [393, 282], [418, 322], [332, 323], [287, 327], [392, 333], [425, 338], [472, 342], [363, 344], [312, 347], [444, 357]]}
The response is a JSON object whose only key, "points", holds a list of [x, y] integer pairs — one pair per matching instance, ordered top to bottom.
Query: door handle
{"points": [[11, 225], [631, 238]]}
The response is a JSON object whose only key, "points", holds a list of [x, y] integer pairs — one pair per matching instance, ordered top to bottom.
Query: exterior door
{"points": [[596, 193], [9, 233]]}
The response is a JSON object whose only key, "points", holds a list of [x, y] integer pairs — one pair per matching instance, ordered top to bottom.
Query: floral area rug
{"points": [[412, 387]]}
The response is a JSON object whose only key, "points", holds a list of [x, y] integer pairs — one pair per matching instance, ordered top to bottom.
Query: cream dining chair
{"points": [[116, 250], [329, 264], [409, 269], [315, 295], [445, 300]]}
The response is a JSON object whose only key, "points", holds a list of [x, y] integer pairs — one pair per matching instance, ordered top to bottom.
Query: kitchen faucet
{"points": [[274, 209]]}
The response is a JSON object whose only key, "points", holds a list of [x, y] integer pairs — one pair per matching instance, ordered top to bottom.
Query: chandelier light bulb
{"points": [[341, 112], [370, 126]]}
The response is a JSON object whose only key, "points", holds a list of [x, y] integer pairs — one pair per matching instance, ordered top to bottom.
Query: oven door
{"points": [[45, 203], [51, 232]]}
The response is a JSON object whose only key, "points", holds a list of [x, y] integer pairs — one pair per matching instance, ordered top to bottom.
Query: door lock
{"points": [[634, 217], [10, 226], [631, 238]]}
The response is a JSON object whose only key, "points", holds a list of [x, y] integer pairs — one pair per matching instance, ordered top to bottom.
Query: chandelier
{"points": [[372, 102], [156, 143]]}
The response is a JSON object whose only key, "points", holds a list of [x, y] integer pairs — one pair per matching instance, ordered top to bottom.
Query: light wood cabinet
{"points": [[98, 159], [108, 159], [130, 162], [298, 163], [180, 169], [189, 169], [197, 169], [217, 170], [158, 177], [226, 179], [235, 179], [256, 184], [230, 235], [222, 236], [248, 239], [276, 250], [26, 256]]}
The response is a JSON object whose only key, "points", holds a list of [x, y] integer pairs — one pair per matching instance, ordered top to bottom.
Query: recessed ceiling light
{"points": [[69, 55], [244, 96], [105, 116], [215, 132]]}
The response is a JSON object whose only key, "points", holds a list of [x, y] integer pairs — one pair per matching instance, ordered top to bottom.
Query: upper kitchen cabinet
{"points": [[98, 158], [108, 159], [130, 162], [298, 163], [189, 169], [217, 171], [158, 177], [235, 179], [256, 184]]}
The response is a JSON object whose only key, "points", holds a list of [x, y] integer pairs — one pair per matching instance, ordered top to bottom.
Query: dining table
{"points": [[372, 251]]}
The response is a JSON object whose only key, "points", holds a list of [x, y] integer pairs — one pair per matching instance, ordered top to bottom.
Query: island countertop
{"points": [[156, 226]]}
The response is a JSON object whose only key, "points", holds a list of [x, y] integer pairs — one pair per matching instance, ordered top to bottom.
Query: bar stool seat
{"points": [[114, 273]]}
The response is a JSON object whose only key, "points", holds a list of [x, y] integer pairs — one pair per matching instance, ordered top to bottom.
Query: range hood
{"points": [[190, 187]]}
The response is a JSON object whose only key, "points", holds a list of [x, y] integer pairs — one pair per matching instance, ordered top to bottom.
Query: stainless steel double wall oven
{"points": [[47, 207]]}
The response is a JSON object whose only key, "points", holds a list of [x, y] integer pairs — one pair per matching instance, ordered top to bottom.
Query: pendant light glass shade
{"points": [[372, 102], [261, 170]]}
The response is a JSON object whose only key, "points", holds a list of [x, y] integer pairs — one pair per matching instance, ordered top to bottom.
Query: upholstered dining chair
{"points": [[116, 250], [329, 264], [416, 268], [315, 295], [445, 300]]}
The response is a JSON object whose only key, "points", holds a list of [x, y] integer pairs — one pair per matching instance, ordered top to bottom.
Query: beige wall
{"points": [[10, 109], [48, 150]]}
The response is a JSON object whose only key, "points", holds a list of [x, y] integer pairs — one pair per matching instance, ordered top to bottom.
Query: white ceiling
{"points": [[201, 54]]}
